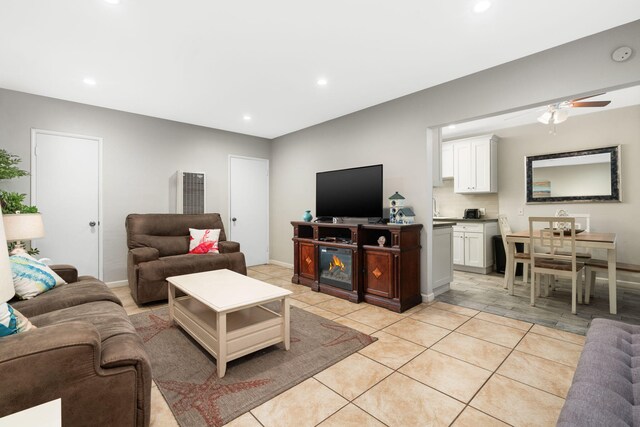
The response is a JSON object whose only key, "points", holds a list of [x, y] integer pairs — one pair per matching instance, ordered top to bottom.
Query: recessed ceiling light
{"points": [[113, 1], [482, 6], [89, 81], [322, 82], [246, 118], [451, 126]]}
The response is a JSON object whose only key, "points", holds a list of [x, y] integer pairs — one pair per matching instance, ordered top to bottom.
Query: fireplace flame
{"points": [[336, 263]]}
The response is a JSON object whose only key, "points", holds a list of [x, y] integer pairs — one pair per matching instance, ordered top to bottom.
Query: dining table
{"points": [[585, 239]]}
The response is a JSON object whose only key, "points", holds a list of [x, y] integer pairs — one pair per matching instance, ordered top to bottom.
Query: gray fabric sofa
{"points": [[159, 248], [84, 351], [606, 385]]}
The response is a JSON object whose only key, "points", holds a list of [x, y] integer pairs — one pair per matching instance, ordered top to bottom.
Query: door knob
{"points": [[233, 219], [92, 224]]}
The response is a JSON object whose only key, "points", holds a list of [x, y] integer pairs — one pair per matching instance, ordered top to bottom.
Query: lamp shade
{"points": [[23, 226], [6, 278]]}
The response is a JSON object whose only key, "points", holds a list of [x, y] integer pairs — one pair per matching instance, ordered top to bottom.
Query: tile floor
{"points": [[436, 364]]}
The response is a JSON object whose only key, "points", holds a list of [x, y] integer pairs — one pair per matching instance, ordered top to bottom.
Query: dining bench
{"points": [[593, 266]]}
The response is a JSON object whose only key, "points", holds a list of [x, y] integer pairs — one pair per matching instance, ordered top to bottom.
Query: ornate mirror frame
{"points": [[615, 196]]}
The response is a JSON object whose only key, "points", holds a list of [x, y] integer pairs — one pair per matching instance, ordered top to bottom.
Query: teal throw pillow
{"points": [[31, 277]]}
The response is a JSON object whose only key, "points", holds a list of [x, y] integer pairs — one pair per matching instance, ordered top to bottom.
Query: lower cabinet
{"points": [[472, 246], [307, 259], [379, 277]]}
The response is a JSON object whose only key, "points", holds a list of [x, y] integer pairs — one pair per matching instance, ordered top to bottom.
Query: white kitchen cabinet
{"points": [[447, 160], [475, 164], [472, 246], [442, 256]]}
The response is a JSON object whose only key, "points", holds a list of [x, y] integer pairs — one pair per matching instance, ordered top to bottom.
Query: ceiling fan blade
{"points": [[587, 97], [590, 104]]}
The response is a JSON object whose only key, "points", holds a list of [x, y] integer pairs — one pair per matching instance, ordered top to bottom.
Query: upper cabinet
{"points": [[475, 164]]}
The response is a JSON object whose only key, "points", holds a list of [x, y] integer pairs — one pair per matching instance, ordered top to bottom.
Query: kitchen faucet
{"points": [[434, 207]]}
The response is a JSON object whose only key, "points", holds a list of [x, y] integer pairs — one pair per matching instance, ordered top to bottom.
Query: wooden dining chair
{"points": [[546, 242], [518, 257]]}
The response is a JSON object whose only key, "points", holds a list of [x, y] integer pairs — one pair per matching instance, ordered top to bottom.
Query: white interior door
{"points": [[65, 186], [249, 207]]}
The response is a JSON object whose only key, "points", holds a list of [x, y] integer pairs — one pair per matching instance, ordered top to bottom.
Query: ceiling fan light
{"points": [[560, 116], [545, 118]]}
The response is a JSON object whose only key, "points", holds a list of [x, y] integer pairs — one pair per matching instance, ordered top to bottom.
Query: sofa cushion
{"points": [[169, 233], [178, 265], [32, 277], [86, 289]]}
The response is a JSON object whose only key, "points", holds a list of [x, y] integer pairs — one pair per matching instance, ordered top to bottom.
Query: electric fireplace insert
{"points": [[335, 267]]}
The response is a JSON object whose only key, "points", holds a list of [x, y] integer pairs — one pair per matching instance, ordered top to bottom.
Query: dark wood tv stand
{"points": [[387, 276]]}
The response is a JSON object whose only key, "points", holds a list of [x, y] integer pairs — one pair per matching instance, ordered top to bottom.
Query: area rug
{"points": [[186, 374]]}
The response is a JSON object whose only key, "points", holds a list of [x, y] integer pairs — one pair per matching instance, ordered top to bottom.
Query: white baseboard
{"points": [[280, 263], [118, 284], [428, 297]]}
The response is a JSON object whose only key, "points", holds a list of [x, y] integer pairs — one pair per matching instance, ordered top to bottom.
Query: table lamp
{"points": [[23, 226], [6, 278]]}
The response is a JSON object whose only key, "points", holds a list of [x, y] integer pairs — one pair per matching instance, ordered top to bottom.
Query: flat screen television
{"points": [[355, 192]]}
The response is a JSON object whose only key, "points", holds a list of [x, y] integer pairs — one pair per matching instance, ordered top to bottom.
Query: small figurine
{"points": [[381, 240]]}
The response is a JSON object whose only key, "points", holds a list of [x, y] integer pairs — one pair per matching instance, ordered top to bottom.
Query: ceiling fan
{"points": [[559, 112]]}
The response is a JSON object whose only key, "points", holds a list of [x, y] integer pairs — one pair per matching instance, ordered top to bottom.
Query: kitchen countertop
{"points": [[442, 219], [442, 224]]}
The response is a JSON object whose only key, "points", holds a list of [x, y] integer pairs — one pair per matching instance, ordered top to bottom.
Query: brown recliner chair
{"points": [[159, 248]]}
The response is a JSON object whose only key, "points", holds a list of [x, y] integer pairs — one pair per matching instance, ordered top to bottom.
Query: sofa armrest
{"points": [[227, 247], [146, 254], [67, 272]]}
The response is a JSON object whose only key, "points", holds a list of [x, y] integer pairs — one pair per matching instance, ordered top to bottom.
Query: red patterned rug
{"points": [[186, 374]]}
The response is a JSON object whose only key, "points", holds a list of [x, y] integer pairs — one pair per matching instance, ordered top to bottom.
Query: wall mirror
{"points": [[575, 176]]}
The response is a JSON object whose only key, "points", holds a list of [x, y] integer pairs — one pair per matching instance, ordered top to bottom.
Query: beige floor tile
{"points": [[268, 269], [287, 275], [258, 276], [278, 282], [295, 288], [312, 298], [296, 303], [340, 306], [455, 308], [414, 309], [320, 312], [375, 317], [444, 319], [501, 320], [355, 325], [488, 331], [418, 332], [561, 335], [551, 349], [391, 350], [472, 350], [546, 375], [353, 376], [453, 377], [402, 401], [306, 404], [517, 404], [161, 415], [351, 416], [471, 417], [246, 420]]}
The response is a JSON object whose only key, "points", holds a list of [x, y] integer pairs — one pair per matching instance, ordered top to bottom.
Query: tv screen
{"points": [[355, 192]]}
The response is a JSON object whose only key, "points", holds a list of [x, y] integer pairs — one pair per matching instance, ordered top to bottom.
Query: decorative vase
{"points": [[307, 217]]}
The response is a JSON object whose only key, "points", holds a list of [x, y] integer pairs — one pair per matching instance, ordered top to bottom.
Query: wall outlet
{"points": [[521, 211]]}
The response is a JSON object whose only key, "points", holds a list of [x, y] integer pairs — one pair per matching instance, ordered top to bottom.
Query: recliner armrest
{"points": [[227, 247], [146, 254], [67, 272]]}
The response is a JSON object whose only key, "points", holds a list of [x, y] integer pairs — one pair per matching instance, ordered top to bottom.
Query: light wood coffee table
{"points": [[223, 311]]}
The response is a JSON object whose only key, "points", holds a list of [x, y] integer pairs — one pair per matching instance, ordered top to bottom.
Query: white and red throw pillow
{"points": [[204, 241]]}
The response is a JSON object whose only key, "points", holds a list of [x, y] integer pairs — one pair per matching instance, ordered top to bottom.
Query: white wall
{"points": [[606, 128], [394, 133], [140, 160]]}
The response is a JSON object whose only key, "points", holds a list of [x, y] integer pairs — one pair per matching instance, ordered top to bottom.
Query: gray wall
{"points": [[606, 128], [394, 133], [140, 158]]}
